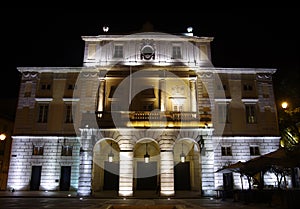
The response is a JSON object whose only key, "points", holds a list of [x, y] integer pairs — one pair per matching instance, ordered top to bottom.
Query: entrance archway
{"points": [[187, 167], [146, 173], [105, 175]]}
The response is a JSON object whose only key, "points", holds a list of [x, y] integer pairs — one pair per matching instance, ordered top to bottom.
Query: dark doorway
{"points": [[111, 176], [182, 176], [35, 178], [65, 178], [227, 181], [147, 182], [227, 185]]}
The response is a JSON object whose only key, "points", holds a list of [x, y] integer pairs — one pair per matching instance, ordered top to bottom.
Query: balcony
{"points": [[148, 119]]}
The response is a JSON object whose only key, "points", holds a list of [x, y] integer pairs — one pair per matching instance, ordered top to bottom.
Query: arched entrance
{"points": [[146, 165], [187, 166], [105, 175]]}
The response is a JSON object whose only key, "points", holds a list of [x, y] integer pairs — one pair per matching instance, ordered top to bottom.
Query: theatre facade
{"points": [[146, 111]]}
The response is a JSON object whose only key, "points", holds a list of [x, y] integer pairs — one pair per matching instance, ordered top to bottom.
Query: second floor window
{"points": [[118, 52], [176, 52], [45, 86], [248, 87], [43, 113], [223, 113], [250, 113], [68, 114], [38, 150], [66, 150], [226, 151]]}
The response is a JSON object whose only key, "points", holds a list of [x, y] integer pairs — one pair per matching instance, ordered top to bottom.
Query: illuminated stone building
{"points": [[156, 95]]}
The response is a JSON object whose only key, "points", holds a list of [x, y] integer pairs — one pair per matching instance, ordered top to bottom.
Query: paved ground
{"points": [[70, 200]]}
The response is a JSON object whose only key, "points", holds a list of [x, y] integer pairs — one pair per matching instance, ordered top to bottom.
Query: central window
{"points": [[176, 52]]}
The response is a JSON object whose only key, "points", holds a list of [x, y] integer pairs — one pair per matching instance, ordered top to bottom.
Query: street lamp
{"points": [[284, 105], [2, 137], [111, 154], [182, 155], [146, 156]]}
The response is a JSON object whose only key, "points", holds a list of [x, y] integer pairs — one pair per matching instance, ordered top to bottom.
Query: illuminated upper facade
{"points": [[90, 128]]}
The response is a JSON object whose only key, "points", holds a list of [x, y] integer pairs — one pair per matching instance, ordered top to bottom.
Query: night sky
{"points": [[259, 38]]}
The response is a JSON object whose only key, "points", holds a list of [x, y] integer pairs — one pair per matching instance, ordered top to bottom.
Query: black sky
{"points": [[260, 38]]}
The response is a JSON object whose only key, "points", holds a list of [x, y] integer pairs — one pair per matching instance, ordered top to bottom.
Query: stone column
{"points": [[162, 88], [193, 95], [101, 96], [86, 161], [166, 167], [126, 173], [167, 173]]}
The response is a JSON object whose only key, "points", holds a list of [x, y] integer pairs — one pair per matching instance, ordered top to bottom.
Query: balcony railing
{"points": [[110, 119]]}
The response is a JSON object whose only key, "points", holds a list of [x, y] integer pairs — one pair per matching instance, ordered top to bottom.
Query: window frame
{"points": [[117, 53], [175, 54], [43, 112], [251, 113], [68, 116], [37, 150], [66, 150], [254, 150], [226, 151]]}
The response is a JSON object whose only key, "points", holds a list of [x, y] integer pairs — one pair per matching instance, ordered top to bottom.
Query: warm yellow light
{"points": [[284, 105], [2, 137], [110, 157], [182, 158]]}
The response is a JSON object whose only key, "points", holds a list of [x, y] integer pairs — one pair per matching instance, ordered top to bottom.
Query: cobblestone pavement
{"points": [[71, 201]]}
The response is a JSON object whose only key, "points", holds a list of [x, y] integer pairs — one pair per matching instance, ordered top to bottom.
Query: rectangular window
{"points": [[118, 52], [176, 52], [45, 86], [70, 86], [248, 87], [148, 106], [178, 108], [43, 113], [251, 113], [68, 114], [223, 116], [38, 150], [66, 150], [254, 150], [226, 151]]}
